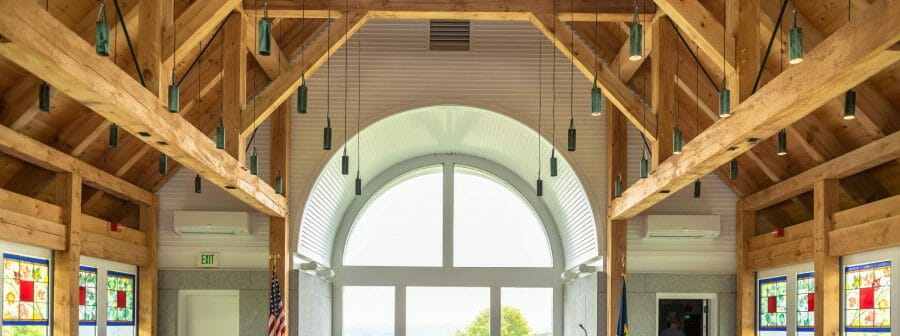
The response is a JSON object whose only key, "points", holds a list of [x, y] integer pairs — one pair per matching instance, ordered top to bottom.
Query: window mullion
{"points": [[448, 214]]}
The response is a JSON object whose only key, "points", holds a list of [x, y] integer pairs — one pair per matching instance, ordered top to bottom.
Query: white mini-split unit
{"points": [[235, 223], [682, 226]]}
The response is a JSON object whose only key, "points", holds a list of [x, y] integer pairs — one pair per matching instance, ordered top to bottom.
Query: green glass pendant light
{"points": [[101, 31], [265, 32], [636, 37], [795, 45], [302, 96], [44, 97], [724, 101], [597, 102], [174, 103], [850, 105], [220, 130], [326, 134], [220, 135], [113, 136], [677, 141], [782, 142], [571, 143], [254, 162], [345, 163], [163, 164], [553, 165], [645, 166], [734, 169], [279, 183], [198, 184], [358, 184], [540, 187], [617, 187], [697, 188]]}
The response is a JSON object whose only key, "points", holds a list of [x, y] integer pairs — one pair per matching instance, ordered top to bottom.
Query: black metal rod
{"points": [[124, 26], [203, 51], [693, 55], [762, 65]]}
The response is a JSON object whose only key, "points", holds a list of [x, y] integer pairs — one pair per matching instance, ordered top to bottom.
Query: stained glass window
{"points": [[26, 295], [867, 295], [87, 296], [119, 299], [806, 302], [773, 304]]}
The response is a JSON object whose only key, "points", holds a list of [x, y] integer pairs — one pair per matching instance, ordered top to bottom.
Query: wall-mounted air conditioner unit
{"points": [[212, 222], [682, 226]]}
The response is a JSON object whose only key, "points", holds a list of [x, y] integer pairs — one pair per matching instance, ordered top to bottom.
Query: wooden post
{"points": [[150, 41], [746, 47], [234, 86], [663, 88], [279, 228], [616, 242], [66, 262], [827, 267], [148, 273], [746, 280]]}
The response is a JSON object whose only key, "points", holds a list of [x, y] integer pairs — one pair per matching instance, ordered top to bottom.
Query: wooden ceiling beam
{"points": [[585, 10], [193, 25], [699, 25], [43, 46], [845, 59], [273, 64], [281, 88], [614, 90], [22, 100]]}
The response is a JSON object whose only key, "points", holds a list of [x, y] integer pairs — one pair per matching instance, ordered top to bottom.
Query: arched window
{"points": [[446, 244]]}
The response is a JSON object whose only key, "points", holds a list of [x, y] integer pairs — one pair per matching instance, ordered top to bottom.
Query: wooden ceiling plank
{"points": [[45, 47], [846, 58], [281, 88], [614, 90], [35, 152]]}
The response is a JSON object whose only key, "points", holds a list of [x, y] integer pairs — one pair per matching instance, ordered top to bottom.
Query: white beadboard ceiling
{"points": [[448, 129]]}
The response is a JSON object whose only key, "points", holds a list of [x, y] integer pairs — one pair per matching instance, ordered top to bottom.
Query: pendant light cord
{"points": [[775, 30], [302, 43], [134, 59], [328, 70], [572, 70], [222, 72], [346, 78], [553, 82], [674, 93], [697, 93], [358, 98], [540, 99], [643, 136]]}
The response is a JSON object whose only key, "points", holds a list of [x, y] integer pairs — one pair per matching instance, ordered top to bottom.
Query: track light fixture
{"points": [[264, 28], [101, 31], [795, 45], [782, 142]]}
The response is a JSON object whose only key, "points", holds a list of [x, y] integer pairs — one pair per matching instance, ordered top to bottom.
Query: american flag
{"points": [[277, 325]]}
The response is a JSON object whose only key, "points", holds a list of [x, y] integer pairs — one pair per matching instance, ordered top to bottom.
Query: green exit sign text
{"points": [[209, 260]]}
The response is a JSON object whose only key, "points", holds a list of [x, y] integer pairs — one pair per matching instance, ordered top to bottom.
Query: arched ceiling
{"points": [[441, 130]]}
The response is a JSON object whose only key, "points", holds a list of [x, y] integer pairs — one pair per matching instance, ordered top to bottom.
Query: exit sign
{"points": [[209, 260]]}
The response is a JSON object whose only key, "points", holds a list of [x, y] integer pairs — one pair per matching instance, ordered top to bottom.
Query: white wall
{"points": [[581, 306]]}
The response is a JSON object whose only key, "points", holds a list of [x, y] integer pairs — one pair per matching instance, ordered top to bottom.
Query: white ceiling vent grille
{"points": [[450, 35]]}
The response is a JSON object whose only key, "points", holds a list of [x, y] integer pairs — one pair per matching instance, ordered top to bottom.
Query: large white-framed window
{"points": [[490, 254]]}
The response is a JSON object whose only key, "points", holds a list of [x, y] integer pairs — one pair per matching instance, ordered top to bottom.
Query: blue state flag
{"points": [[622, 322]]}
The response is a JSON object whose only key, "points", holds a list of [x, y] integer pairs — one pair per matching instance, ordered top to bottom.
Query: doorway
{"points": [[694, 313]]}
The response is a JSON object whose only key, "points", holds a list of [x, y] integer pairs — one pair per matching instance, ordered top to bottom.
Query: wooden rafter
{"points": [[197, 22], [45, 47], [577, 51], [828, 71]]}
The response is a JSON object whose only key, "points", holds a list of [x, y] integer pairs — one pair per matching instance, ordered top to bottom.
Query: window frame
{"points": [[7, 247], [103, 268], [401, 277]]}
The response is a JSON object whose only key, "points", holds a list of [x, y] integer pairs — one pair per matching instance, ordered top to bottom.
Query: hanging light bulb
{"points": [[101, 31], [265, 32], [636, 37], [795, 46], [302, 96], [44, 97], [724, 100], [597, 102], [174, 104], [850, 105], [220, 135], [113, 136], [326, 136], [677, 141], [571, 142], [782, 142], [254, 162], [345, 163], [163, 164], [553, 165], [645, 165], [734, 169], [279, 183], [198, 184], [358, 185], [617, 186], [540, 187], [697, 188]]}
